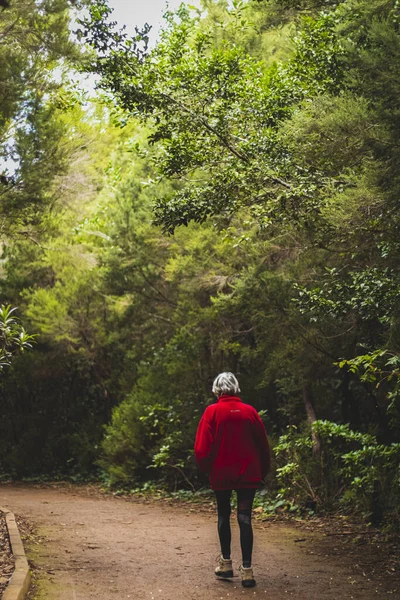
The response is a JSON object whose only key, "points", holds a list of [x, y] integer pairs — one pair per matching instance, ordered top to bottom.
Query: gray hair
{"points": [[225, 383]]}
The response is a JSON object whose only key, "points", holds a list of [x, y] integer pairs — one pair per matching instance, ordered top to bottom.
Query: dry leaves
{"points": [[6, 558]]}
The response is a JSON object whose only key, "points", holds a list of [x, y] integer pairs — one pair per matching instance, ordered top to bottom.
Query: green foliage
{"points": [[35, 41], [201, 97], [232, 206], [370, 294], [13, 337], [380, 370], [151, 428], [353, 471]]}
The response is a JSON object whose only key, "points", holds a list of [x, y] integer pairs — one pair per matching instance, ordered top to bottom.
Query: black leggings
{"points": [[245, 499]]}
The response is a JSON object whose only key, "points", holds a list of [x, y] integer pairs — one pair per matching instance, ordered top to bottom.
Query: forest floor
{"points": [[82, 544], [6, 558]]}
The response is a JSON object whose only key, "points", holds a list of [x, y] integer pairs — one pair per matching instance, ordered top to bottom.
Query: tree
{"points": [[34, 42], [304, 152], [241, 216]]}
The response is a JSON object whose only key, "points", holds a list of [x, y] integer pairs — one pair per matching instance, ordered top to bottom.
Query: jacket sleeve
{"points": [[203, 446], [263, 446]]}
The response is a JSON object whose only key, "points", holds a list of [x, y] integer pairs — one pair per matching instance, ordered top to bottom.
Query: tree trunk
{"points": [[350, 408], [311, 417]]}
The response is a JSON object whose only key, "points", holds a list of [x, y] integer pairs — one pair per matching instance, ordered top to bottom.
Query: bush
{"points": [[151, 435], [351, 472]]}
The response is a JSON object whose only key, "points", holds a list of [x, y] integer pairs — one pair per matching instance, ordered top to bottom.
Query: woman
{"points": [[232, 447]]}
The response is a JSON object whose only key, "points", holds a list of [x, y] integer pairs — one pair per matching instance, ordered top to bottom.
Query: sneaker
{"points": [[224, 568], [247, 576]]}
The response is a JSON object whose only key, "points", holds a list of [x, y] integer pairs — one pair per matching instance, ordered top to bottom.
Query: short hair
{"points": [[225, 383]]}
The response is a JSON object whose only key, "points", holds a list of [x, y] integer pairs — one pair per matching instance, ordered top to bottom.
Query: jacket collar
{"points": [[228, 398]]}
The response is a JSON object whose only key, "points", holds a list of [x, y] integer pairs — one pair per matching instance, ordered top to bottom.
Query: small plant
{"points": [[13, 337], [272, 506]]}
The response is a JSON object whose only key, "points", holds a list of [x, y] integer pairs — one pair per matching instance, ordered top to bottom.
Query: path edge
{"points": [[18, 585]]}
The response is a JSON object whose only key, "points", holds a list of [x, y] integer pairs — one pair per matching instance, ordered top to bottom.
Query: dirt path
{"points": [[104, 548]]}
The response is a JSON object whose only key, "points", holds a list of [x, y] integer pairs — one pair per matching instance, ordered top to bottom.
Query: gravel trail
{"points": [[106, 547]]}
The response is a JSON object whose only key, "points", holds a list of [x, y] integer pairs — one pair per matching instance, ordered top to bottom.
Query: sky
{"points": [[139, 12]]}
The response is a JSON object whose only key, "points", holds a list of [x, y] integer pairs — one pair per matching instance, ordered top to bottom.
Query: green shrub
{"points": [[352, 471]]}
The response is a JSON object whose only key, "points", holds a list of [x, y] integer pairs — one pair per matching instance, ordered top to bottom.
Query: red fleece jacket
{"points": [[231, 445]]}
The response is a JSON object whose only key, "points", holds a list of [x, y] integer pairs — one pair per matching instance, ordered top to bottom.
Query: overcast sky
{"points": [[139, 12]]}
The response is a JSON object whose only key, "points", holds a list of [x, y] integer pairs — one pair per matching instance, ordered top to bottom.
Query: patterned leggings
{"points": [[245, 499]]}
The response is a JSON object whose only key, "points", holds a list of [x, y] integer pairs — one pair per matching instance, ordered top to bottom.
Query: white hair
{"points": [[225, 383]]}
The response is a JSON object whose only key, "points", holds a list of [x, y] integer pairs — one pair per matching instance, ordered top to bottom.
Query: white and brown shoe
{"points": [[224, 569], [247, 576]]}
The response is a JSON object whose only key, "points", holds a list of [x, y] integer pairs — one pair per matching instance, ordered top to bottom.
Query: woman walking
{"points": [[232, 447]]}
